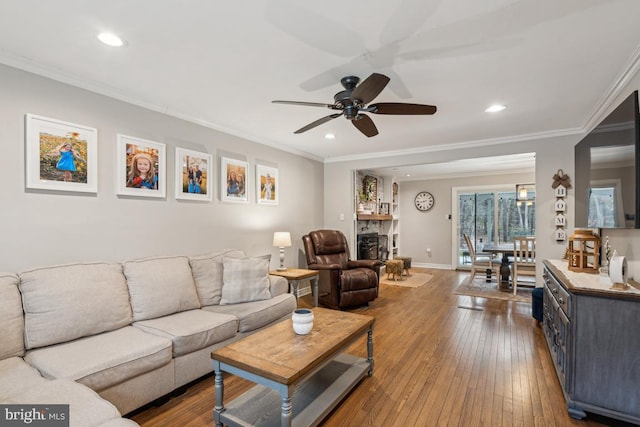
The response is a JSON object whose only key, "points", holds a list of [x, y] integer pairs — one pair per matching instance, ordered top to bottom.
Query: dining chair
{"points": [[524, 259], [481, 260]]}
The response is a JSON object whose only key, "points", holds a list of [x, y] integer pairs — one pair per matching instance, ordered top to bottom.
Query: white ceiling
{"points": [[555, 64], [495, 165]]}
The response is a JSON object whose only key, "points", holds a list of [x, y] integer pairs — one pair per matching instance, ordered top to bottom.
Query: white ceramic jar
{"points": [[302, 319]]}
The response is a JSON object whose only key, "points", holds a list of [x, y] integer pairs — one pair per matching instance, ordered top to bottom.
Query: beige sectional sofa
{"points": [[108, 338]]}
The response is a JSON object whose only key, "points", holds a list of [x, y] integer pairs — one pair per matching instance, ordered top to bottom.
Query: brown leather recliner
{"points": [[343, 282]]}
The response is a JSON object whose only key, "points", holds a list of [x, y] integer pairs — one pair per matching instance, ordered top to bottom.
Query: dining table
{"points": [[505, 249]]}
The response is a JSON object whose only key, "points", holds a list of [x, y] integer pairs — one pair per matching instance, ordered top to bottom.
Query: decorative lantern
{"points": [[583, 252]]}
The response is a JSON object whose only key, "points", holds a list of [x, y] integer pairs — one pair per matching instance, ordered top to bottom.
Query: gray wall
{"points": [[551, 154], [42, 228], [432, 229]]}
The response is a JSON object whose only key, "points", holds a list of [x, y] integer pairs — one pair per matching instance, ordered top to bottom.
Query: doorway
{"points": [[490, 215]]}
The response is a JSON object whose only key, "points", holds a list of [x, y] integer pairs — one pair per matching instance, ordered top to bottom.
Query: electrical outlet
{"points": [[341, 217], [429, 252]]}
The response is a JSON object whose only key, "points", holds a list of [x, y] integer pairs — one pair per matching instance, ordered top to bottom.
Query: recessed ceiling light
{"points": [[110, 39], [495, 108], [329, 136], [407, 174]]}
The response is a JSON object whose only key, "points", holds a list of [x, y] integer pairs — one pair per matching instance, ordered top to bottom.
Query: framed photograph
{"points": [[60, 156], [141, 167], [194, 175], [234, 175], [267, 185], [384, 208]]}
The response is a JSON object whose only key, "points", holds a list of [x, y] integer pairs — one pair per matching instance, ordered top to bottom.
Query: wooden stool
{"points": [[406, 260], [394, 268]]}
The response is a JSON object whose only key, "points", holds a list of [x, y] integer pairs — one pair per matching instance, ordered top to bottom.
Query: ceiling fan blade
{"points": [[371, 87], [308, 104], [401, 108], [318, 122], [365, 125]]}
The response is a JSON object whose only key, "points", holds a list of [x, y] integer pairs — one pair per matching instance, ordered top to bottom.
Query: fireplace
{"points": [[368, 246], [373, 246]]}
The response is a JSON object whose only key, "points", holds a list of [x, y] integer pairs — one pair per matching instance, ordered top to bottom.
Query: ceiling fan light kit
{"points": [[353, 100]]}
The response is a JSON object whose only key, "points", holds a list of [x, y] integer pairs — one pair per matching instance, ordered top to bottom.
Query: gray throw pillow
{"points": [[245, 280]]}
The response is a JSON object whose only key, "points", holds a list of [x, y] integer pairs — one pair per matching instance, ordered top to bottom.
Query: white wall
{"points": [[40, 228]]}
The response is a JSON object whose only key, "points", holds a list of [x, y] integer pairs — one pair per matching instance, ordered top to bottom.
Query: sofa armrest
{"points": [[278, 285]]}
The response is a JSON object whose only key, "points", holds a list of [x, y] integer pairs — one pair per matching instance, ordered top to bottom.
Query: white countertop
{"points": [[592, 282]]}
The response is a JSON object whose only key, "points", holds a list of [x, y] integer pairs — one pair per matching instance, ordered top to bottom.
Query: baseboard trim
{"points": [[436, 266]]}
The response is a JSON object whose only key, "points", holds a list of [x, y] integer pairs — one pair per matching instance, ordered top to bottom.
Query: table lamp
{"points": [[282, 239]]}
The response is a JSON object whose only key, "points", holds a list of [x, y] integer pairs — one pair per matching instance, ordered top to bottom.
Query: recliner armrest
{"points": [[365, 263], [324, 267]]}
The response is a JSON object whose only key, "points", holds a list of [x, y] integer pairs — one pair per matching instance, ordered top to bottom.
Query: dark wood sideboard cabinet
{"points": [[593, 334]]}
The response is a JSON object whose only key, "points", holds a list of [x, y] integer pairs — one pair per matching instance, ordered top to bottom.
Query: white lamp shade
{"points": [[281, 239]]}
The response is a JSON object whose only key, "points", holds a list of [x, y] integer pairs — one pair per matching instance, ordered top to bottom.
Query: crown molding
{"points": [[25, 64], [601, 109], [598, 113], [458, 145]]}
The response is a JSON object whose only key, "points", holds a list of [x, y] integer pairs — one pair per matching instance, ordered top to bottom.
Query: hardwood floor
{"points": [[440, 359]]}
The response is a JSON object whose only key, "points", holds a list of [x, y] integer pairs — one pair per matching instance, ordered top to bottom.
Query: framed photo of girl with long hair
{"points": [[60, 156], [141, 167], [194, 175], [234, 176], [267, 185]]}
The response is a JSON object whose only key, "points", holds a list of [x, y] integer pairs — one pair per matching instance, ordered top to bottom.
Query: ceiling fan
{"points": [[353, 100]]}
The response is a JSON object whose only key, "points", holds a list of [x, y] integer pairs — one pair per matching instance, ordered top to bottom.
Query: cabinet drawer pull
{"points": [[561, 300]]}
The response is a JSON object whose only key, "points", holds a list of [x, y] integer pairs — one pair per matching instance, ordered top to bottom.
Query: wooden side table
{"points": [[295, 275]]}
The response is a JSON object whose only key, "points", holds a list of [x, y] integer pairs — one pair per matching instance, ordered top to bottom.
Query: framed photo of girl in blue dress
{"points": [[60, 156], [141, 167], [194, 175], [234, 176], [267, 185]]}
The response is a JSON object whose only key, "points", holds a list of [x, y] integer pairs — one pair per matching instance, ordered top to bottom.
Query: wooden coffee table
{"points": [[281, 362]]}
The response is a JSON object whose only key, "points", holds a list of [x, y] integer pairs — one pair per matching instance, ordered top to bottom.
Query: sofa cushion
{"points": [[207, 273], [245, 280], [160, 286], [66, 302], [256, 314], [11, 318], [191, 330], [103, 360], [16, 375], [86, 407]]}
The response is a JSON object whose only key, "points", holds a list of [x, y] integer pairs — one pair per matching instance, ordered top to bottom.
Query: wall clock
{"points": [[424, 201]]}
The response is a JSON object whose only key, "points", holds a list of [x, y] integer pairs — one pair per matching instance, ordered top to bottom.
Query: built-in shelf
{"points": [[374, 217]]}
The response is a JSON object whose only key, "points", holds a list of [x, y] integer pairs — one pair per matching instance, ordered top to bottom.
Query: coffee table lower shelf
{"points": [[312, 399]]}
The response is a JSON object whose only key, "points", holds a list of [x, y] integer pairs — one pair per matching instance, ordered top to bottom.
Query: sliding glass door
{"points": [[490, 217]]}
